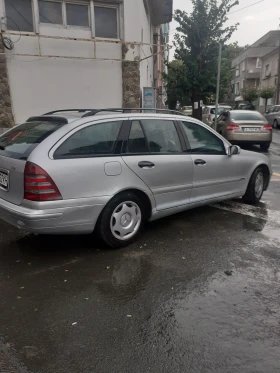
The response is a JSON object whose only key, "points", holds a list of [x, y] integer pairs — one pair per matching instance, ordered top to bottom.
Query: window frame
{"points": [[3, 13], [91, 16], [127, 130], [117, 146], [189, 149]]}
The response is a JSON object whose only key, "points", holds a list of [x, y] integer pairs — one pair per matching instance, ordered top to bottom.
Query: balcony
{"points": [[162, 11], [253, 74]]}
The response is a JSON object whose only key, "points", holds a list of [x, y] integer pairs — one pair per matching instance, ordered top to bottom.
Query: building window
{"points": [[50, 12], [66, 13], [19, 15], [77, 15], [106, 22], [259, 63], [244, 65], [237, 73], [243, 84], [237, 88]]}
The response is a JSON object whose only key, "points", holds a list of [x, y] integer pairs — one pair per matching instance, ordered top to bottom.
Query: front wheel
{"points": [[265, 146], [255, 188], [121, 220]]}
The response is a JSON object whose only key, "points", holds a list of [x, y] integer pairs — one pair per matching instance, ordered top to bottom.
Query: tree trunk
{"points": [[265, 105], [197, 109]]}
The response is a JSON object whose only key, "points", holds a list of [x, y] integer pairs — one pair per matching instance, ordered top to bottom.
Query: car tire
{"points": [[275, 124], [265, 146], [255, 187], [121, 220]]}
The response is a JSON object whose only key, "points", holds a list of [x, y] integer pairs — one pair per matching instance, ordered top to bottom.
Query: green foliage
{"points": [[200, 33], [176, 83], [267, 92], [250, 94]]}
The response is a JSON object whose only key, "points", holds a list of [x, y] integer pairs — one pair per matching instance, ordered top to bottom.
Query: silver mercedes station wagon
{"points": [[76, 171]]}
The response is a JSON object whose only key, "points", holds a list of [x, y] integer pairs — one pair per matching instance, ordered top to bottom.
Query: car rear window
{"points": [[220, 110], [247, 116], [23, 139]]}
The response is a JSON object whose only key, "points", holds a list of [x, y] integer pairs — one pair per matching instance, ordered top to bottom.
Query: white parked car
{"points": [[208, 112]]}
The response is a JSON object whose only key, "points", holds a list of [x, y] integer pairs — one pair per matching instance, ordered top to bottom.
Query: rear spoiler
{"points": [[51, 119]]}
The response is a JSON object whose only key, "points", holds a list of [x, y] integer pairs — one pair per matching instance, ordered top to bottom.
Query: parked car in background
{"points": [[245, 107], [187, 110], [208, 112], [273, 116], [244, 126], [79, 171]]}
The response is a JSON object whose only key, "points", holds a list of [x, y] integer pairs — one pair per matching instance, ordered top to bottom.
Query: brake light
{"points": [[232, 127], [267, 127], [38, 185]]}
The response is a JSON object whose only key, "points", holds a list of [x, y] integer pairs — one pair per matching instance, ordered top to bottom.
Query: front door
{"points": [[155, 153], [216, 175]]}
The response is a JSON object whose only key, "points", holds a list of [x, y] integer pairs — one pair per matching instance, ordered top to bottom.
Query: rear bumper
{"points": [[257, 138], [61, 220]]}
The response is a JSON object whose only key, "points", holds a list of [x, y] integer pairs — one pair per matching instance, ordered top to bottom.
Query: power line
{"points": [[248, 6]]}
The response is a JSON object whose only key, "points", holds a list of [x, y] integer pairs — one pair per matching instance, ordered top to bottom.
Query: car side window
{"points": [[277, 109], [162, 136], [97, 139], [202, 141], [137, 142]]}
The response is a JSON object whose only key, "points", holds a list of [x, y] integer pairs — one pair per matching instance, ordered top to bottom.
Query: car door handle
{"points": [[200, 162], [146, 164]]}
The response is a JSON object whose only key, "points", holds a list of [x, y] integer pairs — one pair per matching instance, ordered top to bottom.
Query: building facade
{"points": [[76, 54], [257, 66]]}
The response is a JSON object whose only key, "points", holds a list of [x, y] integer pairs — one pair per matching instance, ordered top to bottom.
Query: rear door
{"points": [[15, 147], [155, 152], [216, 175]]}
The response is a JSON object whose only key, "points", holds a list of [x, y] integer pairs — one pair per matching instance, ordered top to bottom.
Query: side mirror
{"points": [[233, 150]]}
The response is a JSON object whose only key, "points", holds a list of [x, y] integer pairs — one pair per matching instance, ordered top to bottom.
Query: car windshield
{"points": [[247, 116], [20, 141]]}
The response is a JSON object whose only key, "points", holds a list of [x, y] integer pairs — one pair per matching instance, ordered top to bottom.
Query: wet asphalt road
{"points": [[164, 304]]}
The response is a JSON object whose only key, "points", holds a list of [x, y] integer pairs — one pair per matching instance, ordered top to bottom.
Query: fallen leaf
{"points": [[183, 258], [17, 261], [108, 267], [66, 270], [228, 273], [65, 280], [22, 287], [18, 297], [86, 298], [36, 309], [129, 315], [74, 323], [8, 345]]}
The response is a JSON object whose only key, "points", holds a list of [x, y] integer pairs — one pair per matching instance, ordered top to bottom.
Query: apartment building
{"points": [[78, 53], [257, 66]]}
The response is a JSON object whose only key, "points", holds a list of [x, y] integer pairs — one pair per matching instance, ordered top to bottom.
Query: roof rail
{"points": [[132, 110], [91, 112]]}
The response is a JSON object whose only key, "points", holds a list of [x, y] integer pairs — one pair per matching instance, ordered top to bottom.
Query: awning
{"points": [[239, 98]]}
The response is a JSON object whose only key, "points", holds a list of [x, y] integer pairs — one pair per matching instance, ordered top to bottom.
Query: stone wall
{"points": [[131, 84], [6, 114]]}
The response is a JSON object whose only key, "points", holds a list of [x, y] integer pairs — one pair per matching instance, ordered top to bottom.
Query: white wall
{"points": [[48, 73]]}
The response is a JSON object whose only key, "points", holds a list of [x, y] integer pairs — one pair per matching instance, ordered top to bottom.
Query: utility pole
{"points": [[278, 79], [218, 84]]}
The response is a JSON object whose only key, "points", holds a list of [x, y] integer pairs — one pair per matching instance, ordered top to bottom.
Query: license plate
{"points": [[251, 129], [4, 180]]}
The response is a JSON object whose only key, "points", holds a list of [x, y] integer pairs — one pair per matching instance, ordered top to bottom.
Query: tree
{"points": [[200, 33], [176, 83], [267, 93], [250, 94]]}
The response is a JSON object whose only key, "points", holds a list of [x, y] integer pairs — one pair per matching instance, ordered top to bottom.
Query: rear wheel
{"points": [[275, 124], [265, 146], [255, 187], [121, 220]]}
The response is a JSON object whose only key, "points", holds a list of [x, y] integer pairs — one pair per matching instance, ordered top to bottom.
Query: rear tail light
{"points": [[232, 127], [267, 127], [38, 185]]}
